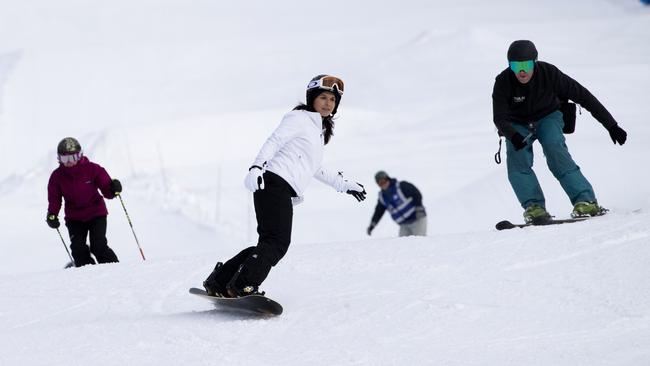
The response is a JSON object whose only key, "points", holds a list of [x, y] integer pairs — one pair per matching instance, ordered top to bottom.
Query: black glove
{"points": [[617, 134], [518, 141], [116, 187], [360, 196], [52, 221], [370, 228]]}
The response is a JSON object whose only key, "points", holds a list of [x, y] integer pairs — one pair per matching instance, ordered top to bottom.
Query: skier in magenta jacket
{"points": [[77, 181]]}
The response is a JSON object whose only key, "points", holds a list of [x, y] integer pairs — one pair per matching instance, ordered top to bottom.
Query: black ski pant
{"points": [[274, 213], [95, 229]]}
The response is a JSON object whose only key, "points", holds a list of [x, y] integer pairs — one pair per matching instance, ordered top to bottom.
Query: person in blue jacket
{"points": [[404, 203]]}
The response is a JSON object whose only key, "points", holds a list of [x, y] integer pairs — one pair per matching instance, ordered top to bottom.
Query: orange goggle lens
{"points": [[328, 83]]}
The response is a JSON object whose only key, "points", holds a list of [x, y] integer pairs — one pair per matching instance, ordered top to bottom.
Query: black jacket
{"points": [[513, 102]]}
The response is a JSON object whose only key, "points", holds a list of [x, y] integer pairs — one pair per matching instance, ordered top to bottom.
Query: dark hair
{"points": [[328, 122]]}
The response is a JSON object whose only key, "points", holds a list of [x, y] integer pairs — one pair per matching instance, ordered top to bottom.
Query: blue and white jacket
{"points": [[402, 200]]}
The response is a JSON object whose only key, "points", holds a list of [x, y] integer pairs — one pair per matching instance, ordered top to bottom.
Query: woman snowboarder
{"points": [[278, 177]]}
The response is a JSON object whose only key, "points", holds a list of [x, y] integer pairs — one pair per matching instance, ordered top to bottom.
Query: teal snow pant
{"points": [[524, 182]]}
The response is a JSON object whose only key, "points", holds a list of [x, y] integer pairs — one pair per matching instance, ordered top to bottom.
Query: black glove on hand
{"points": [[617, 134], [518, 141], [116, 187], [360, 196], [52, 221], [370, 228]]}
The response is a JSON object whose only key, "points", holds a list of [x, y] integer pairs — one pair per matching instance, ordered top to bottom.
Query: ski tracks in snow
{"points": [[595, 242]]}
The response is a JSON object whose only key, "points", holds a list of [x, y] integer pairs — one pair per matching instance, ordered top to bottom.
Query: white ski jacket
{"points": [[294, 151]]}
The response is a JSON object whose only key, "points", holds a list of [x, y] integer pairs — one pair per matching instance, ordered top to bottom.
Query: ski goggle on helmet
{"points": [[525, 66], [328, 82], [69, 150], [69, 158]]}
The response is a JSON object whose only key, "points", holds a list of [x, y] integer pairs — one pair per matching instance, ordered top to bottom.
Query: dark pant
{"points": [[520, 165], [274, 212], [95, 229]]}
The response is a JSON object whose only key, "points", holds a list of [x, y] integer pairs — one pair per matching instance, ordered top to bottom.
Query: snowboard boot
{"points": [[587, 209], [535, 214], [211, 284], [236, 288], [233, 291]]}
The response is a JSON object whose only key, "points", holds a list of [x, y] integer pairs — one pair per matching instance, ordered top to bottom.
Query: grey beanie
{"points": [[381, 175]]}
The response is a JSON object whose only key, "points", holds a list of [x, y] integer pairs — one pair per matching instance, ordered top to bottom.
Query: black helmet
{"points": [[522, 50], [319, 84], [68, 145]]}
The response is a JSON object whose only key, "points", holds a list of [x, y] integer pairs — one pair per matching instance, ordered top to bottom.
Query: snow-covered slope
{"points": [[175, 98], [567, 295]]}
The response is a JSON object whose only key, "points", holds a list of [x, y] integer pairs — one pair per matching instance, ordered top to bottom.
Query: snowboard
{"points": [[505, 224], [257, 304]]}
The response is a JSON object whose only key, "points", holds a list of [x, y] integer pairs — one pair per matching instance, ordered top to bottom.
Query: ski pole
{"points": [[130, 224], [65, 246]]}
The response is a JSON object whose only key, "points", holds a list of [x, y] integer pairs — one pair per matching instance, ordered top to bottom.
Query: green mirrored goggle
{"points": [[525, 66]]}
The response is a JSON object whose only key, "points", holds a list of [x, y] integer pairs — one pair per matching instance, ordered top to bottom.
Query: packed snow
{"points": [[175, 98]]}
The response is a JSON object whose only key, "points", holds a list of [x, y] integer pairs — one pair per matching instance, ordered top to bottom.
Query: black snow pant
{"points": [[274, 213], [95, 229]]}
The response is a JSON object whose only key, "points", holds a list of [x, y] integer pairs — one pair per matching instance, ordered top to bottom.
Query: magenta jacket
{"points": [[78, 185]]}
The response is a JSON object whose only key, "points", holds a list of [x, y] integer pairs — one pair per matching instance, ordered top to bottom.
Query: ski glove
{"points": [[617, 134], [518, 141], [254, 179], [116, 187], [356, 190], [52, 221], [370, 228]]}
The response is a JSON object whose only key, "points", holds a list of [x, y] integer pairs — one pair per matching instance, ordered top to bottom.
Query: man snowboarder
{"points": [[526, 107], [77, 181], [404, 202]]}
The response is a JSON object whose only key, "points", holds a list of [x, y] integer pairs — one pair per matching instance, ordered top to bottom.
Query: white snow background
{"points": [[175, 98]]}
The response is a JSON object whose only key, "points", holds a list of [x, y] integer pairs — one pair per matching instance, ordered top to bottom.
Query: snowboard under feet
{"points": [[505, 225], [256, 304]]}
